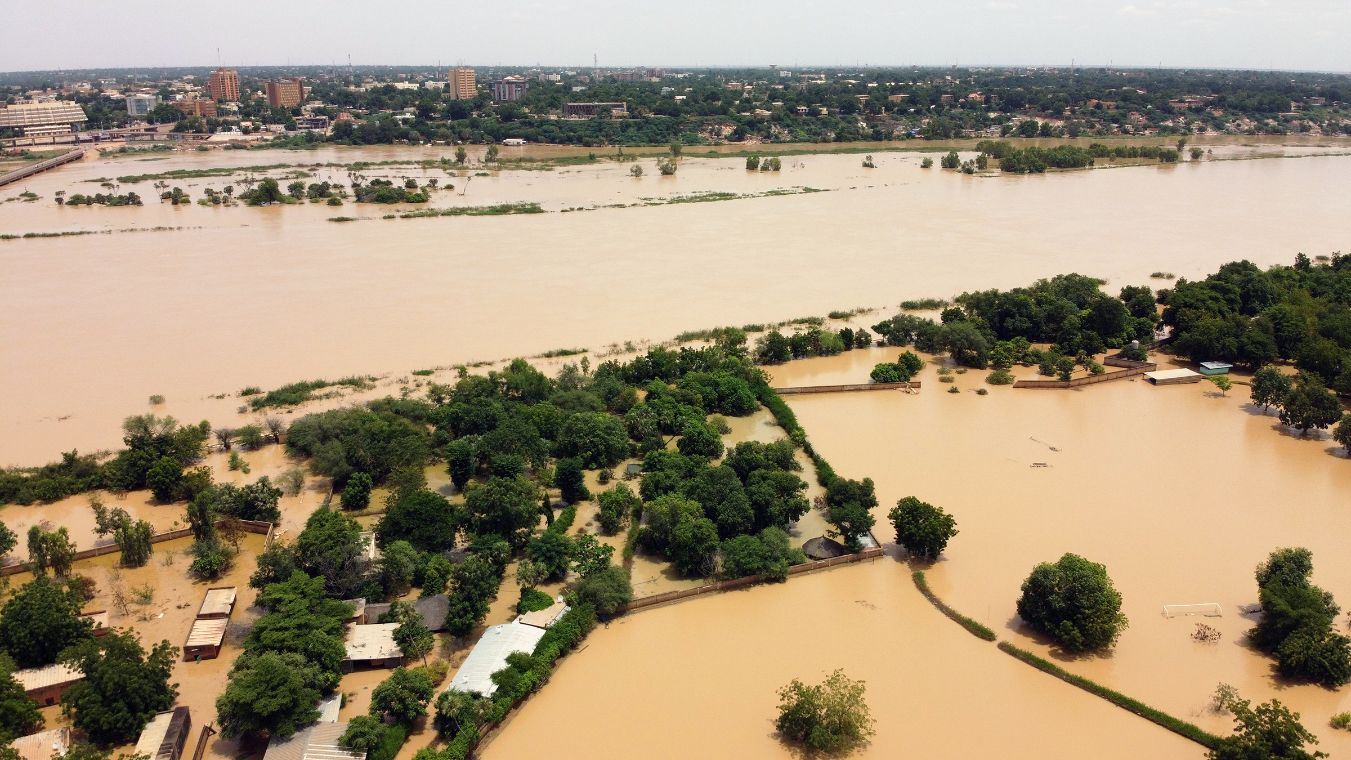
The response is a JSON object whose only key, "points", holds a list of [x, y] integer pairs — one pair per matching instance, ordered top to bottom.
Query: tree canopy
{"points": [[1074, 603]]}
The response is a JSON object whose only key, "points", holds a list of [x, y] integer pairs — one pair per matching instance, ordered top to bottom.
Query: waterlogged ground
{"points": [[93, 325], [1178, 491]]}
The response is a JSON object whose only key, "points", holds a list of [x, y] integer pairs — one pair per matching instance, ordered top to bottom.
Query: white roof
{"points": [[1216, 365], [1170, 374], [218, 601], [545, 617], [207, 632], [372, 642], [489, 655], [32, 679], [329, 709], [152, 736], [317, 742]]}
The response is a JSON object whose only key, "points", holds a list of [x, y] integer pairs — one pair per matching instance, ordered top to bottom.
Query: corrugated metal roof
{"points": [[218, 601], [207, 632], [372, 642], [489, 655], [32, 679], [329, 709], [152, 736], [318, 742], [43, 745]]}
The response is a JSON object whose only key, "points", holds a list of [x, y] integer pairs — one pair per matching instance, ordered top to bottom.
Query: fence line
{"points": [[1107, 377], [799, 389], [735, 583]]}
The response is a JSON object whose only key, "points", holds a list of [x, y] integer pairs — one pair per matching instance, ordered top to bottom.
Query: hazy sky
{"points": [[1283, 34]]}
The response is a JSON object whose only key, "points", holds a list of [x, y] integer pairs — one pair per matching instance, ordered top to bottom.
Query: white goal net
{"points": [[1206, 609]]}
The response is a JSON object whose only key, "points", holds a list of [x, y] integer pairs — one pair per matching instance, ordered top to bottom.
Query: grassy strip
{"points": [[220, 171], [501, 209], [298, 393], [973, 627], [1180, 727]]}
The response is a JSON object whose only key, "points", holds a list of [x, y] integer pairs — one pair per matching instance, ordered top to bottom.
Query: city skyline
{"points": [[1299, 35]]}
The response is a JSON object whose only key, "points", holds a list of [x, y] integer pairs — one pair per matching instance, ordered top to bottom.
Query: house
{"points": [[1215, 368], [1172, 376], [219, 602], [432, 610], [205, 638], [372, 646], [489, 655], [45, 685], [164, 736], [316, 742], [43, 745]]}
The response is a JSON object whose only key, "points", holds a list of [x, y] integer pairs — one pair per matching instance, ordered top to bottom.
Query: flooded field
{"points": [[265, 296], [1178, 491], [698, 679]]}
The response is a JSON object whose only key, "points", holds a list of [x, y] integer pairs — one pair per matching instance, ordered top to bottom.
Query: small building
{"points": [[510, 88], [141, 104], [514, 141], [1215, 368], [1172, 376], [632, 470], [823, 548], [219, 602], [432, 610], [358, 616], [546, 617], [99, 619], [205, 639], [372, 646], [489, 655], [45, 685], [164, 736], [315, 742], [44, 745]]}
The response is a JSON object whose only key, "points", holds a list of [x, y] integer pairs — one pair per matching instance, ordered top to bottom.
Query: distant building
{"points": [[463, 83], [223, 84], [508, 89], [285, 93], [141, 105], [197, 107], [591, 109], [54, 117]]}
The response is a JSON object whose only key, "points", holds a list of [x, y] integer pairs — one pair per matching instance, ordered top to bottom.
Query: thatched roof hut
{"points": [[824, 548]]}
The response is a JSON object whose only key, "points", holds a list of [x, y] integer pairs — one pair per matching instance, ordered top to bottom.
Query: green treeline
{"points": [[1035, 160]]}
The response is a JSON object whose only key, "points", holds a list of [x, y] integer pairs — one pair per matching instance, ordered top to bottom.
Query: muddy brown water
{"points": [[91, 326]]}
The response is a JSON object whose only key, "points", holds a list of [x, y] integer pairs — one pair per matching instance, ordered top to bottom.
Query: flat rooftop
{"points": [[218, 602], [207, 632], [374, 641], [58, 674]]}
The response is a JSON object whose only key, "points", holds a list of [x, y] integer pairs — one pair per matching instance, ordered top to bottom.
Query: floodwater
{"points": [[91, 326], [1178, 491], [698, 679]]}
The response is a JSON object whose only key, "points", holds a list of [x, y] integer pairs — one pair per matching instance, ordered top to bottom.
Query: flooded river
{"points": [[91, 326]]}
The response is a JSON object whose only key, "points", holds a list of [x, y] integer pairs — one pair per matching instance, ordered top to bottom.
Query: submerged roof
{"points": [[218, 601], [207, 632], [374, 641], [489, 655], [163, 729], [317, 742], [43, 745]]}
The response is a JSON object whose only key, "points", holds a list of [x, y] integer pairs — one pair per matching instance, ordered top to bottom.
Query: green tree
{"points": [[1222, 382], [1270, 386], [1310, 405], [1341, 435], [596, 438], [698, 439], [462, 461], [164, 478], [571, 481], [356, 494], [849, 503], [616, 505], [506, 507], [424, 519], [923, 529], [133, 537], [7, 540], [693, 546], [332, 548], [50, 550], [552, 552], [767, 554], [590, 556], [397, 568], [435, 575], [473, 587], [607, 590], [1073, 602], [40, 620], [1297, 621], [414, 638], [123, 686], [272, 692], [403, 696], [456, 710], [19, 715], [831, 717], [1269, 731], [364, 732]]}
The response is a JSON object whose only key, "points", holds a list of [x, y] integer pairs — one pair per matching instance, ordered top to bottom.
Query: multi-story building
{"points": [[463, 83], [223, 84], [508, 89], [285, 93], [141, 105], [197, 107], [49, 118]]}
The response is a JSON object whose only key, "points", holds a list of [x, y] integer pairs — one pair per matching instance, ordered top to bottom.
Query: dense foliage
{"points": [[923, 529], [1074, 603], [1297, 621], [123, 686], [830, 717]]}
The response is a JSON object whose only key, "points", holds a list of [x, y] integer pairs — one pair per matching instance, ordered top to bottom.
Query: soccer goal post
{"points": [[1205, 609]]}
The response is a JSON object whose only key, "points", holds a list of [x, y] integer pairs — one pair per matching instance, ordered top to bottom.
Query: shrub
{"points": [[607, 591], [533, 600], [828, 717]]}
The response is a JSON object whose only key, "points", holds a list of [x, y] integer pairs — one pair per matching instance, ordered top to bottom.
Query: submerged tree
{"points": [[923, 529], [1074, 602], [831, 716], [1269, 731]]}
